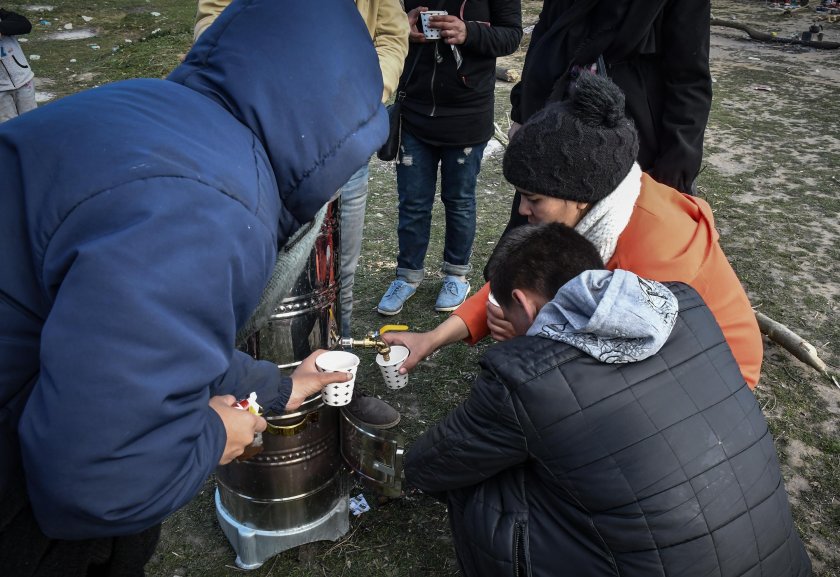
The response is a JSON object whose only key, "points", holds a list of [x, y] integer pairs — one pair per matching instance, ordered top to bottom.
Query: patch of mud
{"points": [[80, 34], [42, 97], [493, 147], [831, 394], [797, 452], [796, 485], [829, 550]]}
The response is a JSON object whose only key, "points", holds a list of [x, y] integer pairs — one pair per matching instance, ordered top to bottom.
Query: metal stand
{"points": [[254, 546]]}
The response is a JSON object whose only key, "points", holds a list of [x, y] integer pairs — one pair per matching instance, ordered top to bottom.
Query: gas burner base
{"points": [[254, 546]]}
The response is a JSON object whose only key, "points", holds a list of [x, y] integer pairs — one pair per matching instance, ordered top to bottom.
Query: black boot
{"points": [[372, 412]]}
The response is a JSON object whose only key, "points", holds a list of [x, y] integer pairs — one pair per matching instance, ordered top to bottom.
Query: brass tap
{"points": [[372, 340]]}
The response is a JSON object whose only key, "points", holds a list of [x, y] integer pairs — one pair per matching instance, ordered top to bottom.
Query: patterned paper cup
{"points": [[428, 31], [391, 368], [338, 394]]}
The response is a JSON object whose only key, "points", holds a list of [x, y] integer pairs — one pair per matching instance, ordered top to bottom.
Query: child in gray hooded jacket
{"points": [[17, 86], [614, 436]]}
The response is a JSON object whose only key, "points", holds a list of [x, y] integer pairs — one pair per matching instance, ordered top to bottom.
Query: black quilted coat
{"points": [[558, 464]]}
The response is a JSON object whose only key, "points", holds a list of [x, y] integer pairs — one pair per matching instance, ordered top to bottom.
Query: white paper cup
{"points": [[428, 31], [492, 300], [391, 368], [338, 394]]}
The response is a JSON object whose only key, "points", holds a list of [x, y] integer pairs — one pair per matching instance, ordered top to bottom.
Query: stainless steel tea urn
{"points": [[296, 490]]}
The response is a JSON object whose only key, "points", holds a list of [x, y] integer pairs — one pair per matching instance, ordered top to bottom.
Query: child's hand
{"points": [[500, 328], [240, 426]]}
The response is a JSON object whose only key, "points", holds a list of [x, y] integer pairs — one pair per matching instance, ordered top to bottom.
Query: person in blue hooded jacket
{"points": [[139, 224]]}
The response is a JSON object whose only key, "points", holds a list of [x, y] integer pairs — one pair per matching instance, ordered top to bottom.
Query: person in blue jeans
{"points": [[388, 27], [447, 120]]}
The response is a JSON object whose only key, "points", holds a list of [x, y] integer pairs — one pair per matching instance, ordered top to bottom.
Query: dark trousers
{"points": [[26, 552]]}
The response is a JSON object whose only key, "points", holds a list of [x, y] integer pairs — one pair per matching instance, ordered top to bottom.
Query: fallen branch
{"points": [[765, 37], [508, 74], [500, 135], [796, 345]]}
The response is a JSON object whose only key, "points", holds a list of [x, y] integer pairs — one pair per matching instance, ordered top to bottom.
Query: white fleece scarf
{"points": [[608, 217]]}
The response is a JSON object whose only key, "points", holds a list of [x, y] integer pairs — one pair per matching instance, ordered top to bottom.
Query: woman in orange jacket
{"points": [[574, 163]]}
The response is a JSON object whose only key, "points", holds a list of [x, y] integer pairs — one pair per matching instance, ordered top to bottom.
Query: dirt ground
{"points": [[771, 172]]}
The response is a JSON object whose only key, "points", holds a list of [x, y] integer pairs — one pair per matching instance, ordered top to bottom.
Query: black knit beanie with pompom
{"points": [[579, 149]]}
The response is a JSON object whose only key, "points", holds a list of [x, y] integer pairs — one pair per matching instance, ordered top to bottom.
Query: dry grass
{"points": [[771, 176]]}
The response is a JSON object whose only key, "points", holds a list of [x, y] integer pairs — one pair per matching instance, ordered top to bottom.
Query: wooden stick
{"points": [[765, 37], [508, 74], [500, 135], [796, 345]]}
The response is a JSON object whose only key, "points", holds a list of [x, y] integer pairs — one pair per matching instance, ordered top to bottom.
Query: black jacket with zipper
{"points": [[13, 24], [656, 51], [450, 106], [559, 464]]}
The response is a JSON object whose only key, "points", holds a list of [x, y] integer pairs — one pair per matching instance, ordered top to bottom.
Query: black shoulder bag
{"points": [[391, 147]]}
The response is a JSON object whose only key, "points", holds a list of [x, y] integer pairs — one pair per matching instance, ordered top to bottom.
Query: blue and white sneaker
{"points": [[452, 294], [394, 298]]}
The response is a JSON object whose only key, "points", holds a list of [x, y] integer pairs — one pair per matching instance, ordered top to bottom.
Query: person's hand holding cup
{"points": [[430, 20], [451, 29], [415, 30], [501, 329], [390, 367], [308, 378], [340, 393]]}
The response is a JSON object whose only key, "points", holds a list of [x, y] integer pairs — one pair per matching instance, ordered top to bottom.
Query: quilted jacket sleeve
{"points": [[477, 440]]}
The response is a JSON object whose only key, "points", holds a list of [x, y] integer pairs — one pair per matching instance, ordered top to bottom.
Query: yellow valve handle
{"points": [[390, 328]]}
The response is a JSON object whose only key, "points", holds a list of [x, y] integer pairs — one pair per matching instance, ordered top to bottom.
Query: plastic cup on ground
{"points": [[428, 31], [391, 368], [338, 394]]}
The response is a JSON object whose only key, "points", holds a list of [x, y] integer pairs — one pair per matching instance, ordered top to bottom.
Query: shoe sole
{"points": [[450, 309], [396, 312], [389, 313], [354, 418], [390, 425]]}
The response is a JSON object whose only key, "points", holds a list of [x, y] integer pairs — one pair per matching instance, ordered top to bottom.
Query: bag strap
{"points": [[400, 89]]}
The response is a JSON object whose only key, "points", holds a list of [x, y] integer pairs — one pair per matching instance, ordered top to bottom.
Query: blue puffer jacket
{"points": [[139, 223], [561, 464]]}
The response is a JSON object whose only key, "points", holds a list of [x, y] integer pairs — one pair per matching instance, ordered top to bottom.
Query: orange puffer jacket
{"points": [[671, 237]]}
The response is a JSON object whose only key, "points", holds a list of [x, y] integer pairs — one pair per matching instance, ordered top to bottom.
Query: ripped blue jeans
{"points": [[417, 169]]}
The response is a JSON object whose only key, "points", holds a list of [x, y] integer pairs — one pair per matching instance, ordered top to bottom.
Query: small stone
{"points": [[68, 26]]}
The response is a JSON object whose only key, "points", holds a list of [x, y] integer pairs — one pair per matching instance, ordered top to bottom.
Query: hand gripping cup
{"points": [[428, 31], [391, 368], [338, 394]]}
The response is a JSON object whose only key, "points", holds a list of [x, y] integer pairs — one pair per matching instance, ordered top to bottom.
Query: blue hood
{"points": [[260, 55], [139, 223], [615, 317]]}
